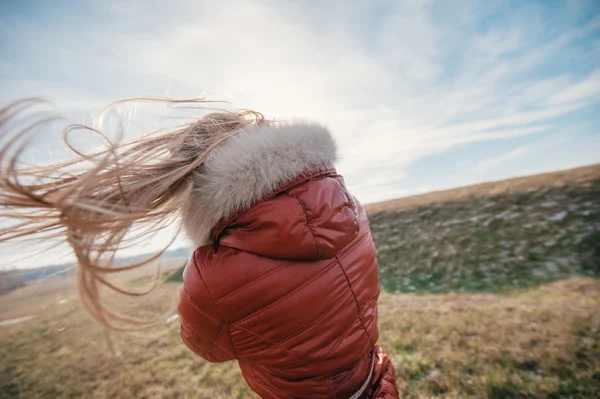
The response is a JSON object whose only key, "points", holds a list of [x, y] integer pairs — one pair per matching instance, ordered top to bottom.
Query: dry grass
{"points": [[36, 298], [539, 343], [534, 344], [62, 353]]}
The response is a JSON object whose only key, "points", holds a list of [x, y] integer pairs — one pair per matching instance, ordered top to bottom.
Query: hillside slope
{"points": [[492, 236]]}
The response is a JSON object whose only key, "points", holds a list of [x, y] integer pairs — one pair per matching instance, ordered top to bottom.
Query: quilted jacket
{"points": [[284, 278]]}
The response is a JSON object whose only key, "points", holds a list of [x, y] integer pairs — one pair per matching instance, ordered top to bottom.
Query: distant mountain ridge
{"points": [[70, 269]]}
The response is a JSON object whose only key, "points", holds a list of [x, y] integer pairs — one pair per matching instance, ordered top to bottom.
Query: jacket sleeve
{"points": [[203, 330]]}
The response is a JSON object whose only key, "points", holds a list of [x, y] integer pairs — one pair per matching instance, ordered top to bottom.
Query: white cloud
{"points": [[583, 90], [515, 119], [493, 163]]}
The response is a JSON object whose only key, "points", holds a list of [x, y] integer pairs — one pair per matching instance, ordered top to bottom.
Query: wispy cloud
{"points": [[588, 88], [495, 162]]}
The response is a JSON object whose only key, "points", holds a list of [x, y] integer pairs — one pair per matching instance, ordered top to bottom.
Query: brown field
{"points": [[533, 344]]}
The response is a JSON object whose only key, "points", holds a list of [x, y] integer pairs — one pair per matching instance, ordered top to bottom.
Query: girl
{"points": [[284, 276]]}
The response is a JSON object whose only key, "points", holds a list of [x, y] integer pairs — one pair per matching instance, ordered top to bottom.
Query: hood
{"points": [[239, 193], [313, 218]]}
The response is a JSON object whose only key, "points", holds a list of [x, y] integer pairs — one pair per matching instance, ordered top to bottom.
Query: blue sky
{"points": [[420, 95]]}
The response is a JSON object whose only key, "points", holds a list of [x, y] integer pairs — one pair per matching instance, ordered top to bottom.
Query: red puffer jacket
{"points": [[288, 283]]}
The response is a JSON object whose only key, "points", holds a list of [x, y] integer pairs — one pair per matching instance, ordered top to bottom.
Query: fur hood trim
{"points": [[249, 166]]}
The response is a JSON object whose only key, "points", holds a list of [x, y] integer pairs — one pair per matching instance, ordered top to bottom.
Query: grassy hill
{"points": [[491, 237]]}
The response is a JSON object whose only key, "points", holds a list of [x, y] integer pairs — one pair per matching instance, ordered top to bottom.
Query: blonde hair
{"points": [[120, 194]]}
